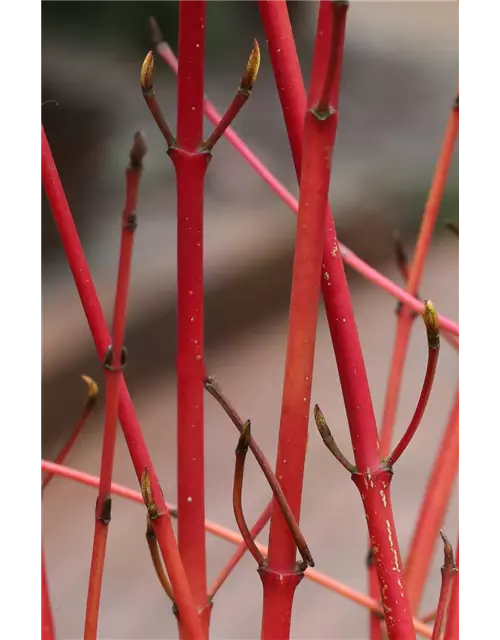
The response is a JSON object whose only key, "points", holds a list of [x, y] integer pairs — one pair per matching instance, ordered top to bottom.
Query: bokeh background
{"points": [[399, 81]]}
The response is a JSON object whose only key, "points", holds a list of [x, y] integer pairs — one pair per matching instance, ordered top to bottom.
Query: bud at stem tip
{"points": [[252, 69], [147, 73], [432, 324]]}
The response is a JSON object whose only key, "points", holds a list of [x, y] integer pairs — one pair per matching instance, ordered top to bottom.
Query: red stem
{"points": [[190, 167], [348, 256], [405, 318], [112, 369], [92, 391], [357, 398], [420, 409], [131, 429], [239, 471], [433, 509], [230, 536], [240, 551], [449, 572], [281, 576], [47, 620], [452, 624]]}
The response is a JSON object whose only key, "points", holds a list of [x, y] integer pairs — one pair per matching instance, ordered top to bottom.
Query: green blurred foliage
{"points": [[127, 22]]}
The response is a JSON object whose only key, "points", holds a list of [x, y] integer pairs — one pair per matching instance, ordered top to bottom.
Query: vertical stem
{"points": [[190, 166], [338, 306], [405, 318], [113, 367], [372, 479], [433, 510], [449, 573], [281, 576], [47, 621], [452, 626]]}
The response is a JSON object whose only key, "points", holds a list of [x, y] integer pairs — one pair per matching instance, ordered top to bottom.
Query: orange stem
{"points": [[114, 363], [433, 509]]}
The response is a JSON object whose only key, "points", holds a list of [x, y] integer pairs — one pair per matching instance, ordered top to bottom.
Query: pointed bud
{"points": [[252, 69], [147, 73], [432, 325], [92, 388], [319, 418]]}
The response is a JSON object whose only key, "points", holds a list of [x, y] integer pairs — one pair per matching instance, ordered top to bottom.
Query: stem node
{"points": [[108, 359], [104, 515]]}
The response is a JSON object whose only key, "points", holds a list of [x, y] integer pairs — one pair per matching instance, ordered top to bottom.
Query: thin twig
{"points": [[148, 93], [242, 95], [403, 264], [432, 326], [113, 365], [215, 391], [92, 393], [329, 441], [239, 469], [433, 509], [240, 551], [156, 559], [448, 572]]}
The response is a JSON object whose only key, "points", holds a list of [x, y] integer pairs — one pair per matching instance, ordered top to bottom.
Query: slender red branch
{"points": [[148, 93], [242, 95], [190, 167], [331, 247], [402, 262], [405, 318], [432, 325], [113, 365], [92, 391], [216, 392], [131, 429], [239, 469], [372, 479], [433, 509], [230, 536], [240, 551], [448, 573], [282, 575], [453, 609], [47, 620]]}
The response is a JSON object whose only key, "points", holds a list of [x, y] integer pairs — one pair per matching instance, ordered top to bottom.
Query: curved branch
{"points": [[432, 326], [215, 391], [239, 469]]}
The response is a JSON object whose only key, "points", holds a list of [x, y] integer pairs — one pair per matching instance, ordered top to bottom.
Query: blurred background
{"points": [[399, 81]]}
